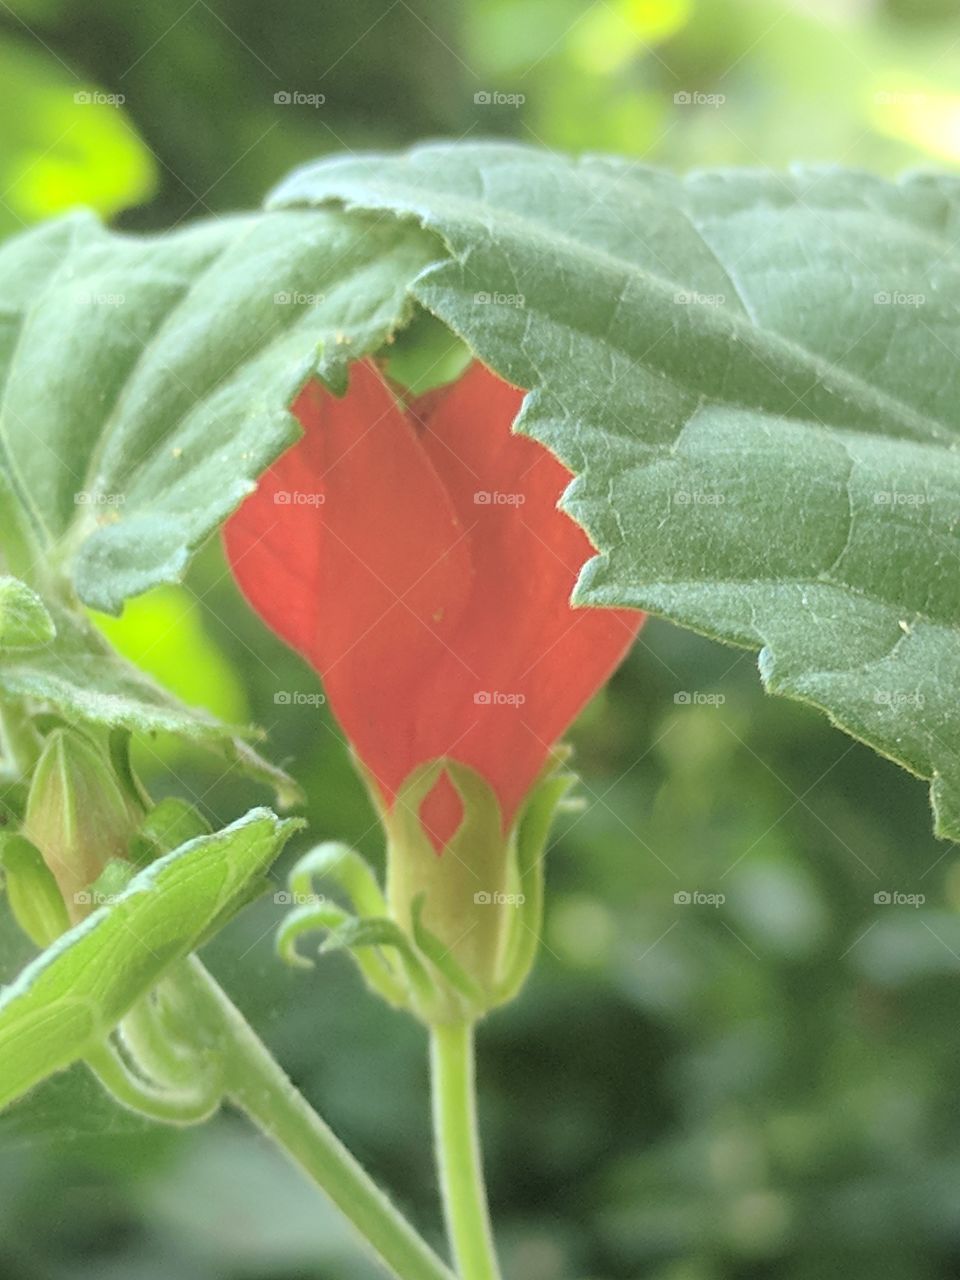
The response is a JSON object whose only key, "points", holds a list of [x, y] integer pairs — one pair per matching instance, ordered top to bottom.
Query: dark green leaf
{"points": [[754, 377]]}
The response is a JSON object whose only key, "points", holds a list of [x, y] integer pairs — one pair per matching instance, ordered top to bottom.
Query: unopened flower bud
{"points": [[79, 814]]}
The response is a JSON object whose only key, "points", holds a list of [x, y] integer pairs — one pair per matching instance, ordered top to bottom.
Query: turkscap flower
{"points": [[415, 555]]}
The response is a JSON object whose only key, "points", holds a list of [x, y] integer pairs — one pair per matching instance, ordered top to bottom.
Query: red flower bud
{"points": [[417, 559]]}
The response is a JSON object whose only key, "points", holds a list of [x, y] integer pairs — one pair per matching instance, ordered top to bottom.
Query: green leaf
{"points": [[169, 363], [754, 378], [24, 620], [80, 677], [71, 996], [67, 1108]]}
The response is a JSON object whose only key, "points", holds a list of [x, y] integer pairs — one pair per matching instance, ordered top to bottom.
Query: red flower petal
{"points": [[351, 551], [428, 581], [534, 660], [441, 812]]}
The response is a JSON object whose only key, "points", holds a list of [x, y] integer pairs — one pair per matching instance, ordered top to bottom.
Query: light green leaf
{"points": [[168, 365], [754, 377], [145, 383], [24, 620], [78, 676], [71, 996]]}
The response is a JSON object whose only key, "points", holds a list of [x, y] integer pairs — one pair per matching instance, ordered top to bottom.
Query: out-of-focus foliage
{"points": [[65, 141], [758, 1089]]}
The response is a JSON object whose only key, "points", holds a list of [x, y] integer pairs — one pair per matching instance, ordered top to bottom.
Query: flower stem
{"points": [[258, 1086], [458, 1152]]}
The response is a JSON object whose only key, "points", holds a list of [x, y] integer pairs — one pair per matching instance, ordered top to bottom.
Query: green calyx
{"points": [[461, 901], [456, 932]]}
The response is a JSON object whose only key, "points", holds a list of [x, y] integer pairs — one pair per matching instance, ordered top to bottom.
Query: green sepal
{"points": [[118, 742], [549, 796], [168, 825], [336, 861], [112, 881], [457, 885], [34, 896], [473, 909], [302, 920], [355, 934], [363, 938], [441, 958]]}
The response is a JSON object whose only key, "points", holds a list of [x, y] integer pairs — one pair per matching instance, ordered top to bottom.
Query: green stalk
{"points": [[256, 1084], [188, 1106], [458, 1152]]}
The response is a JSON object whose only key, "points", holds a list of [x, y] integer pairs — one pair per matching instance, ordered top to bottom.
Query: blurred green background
{"points": [[757, 1089]]}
